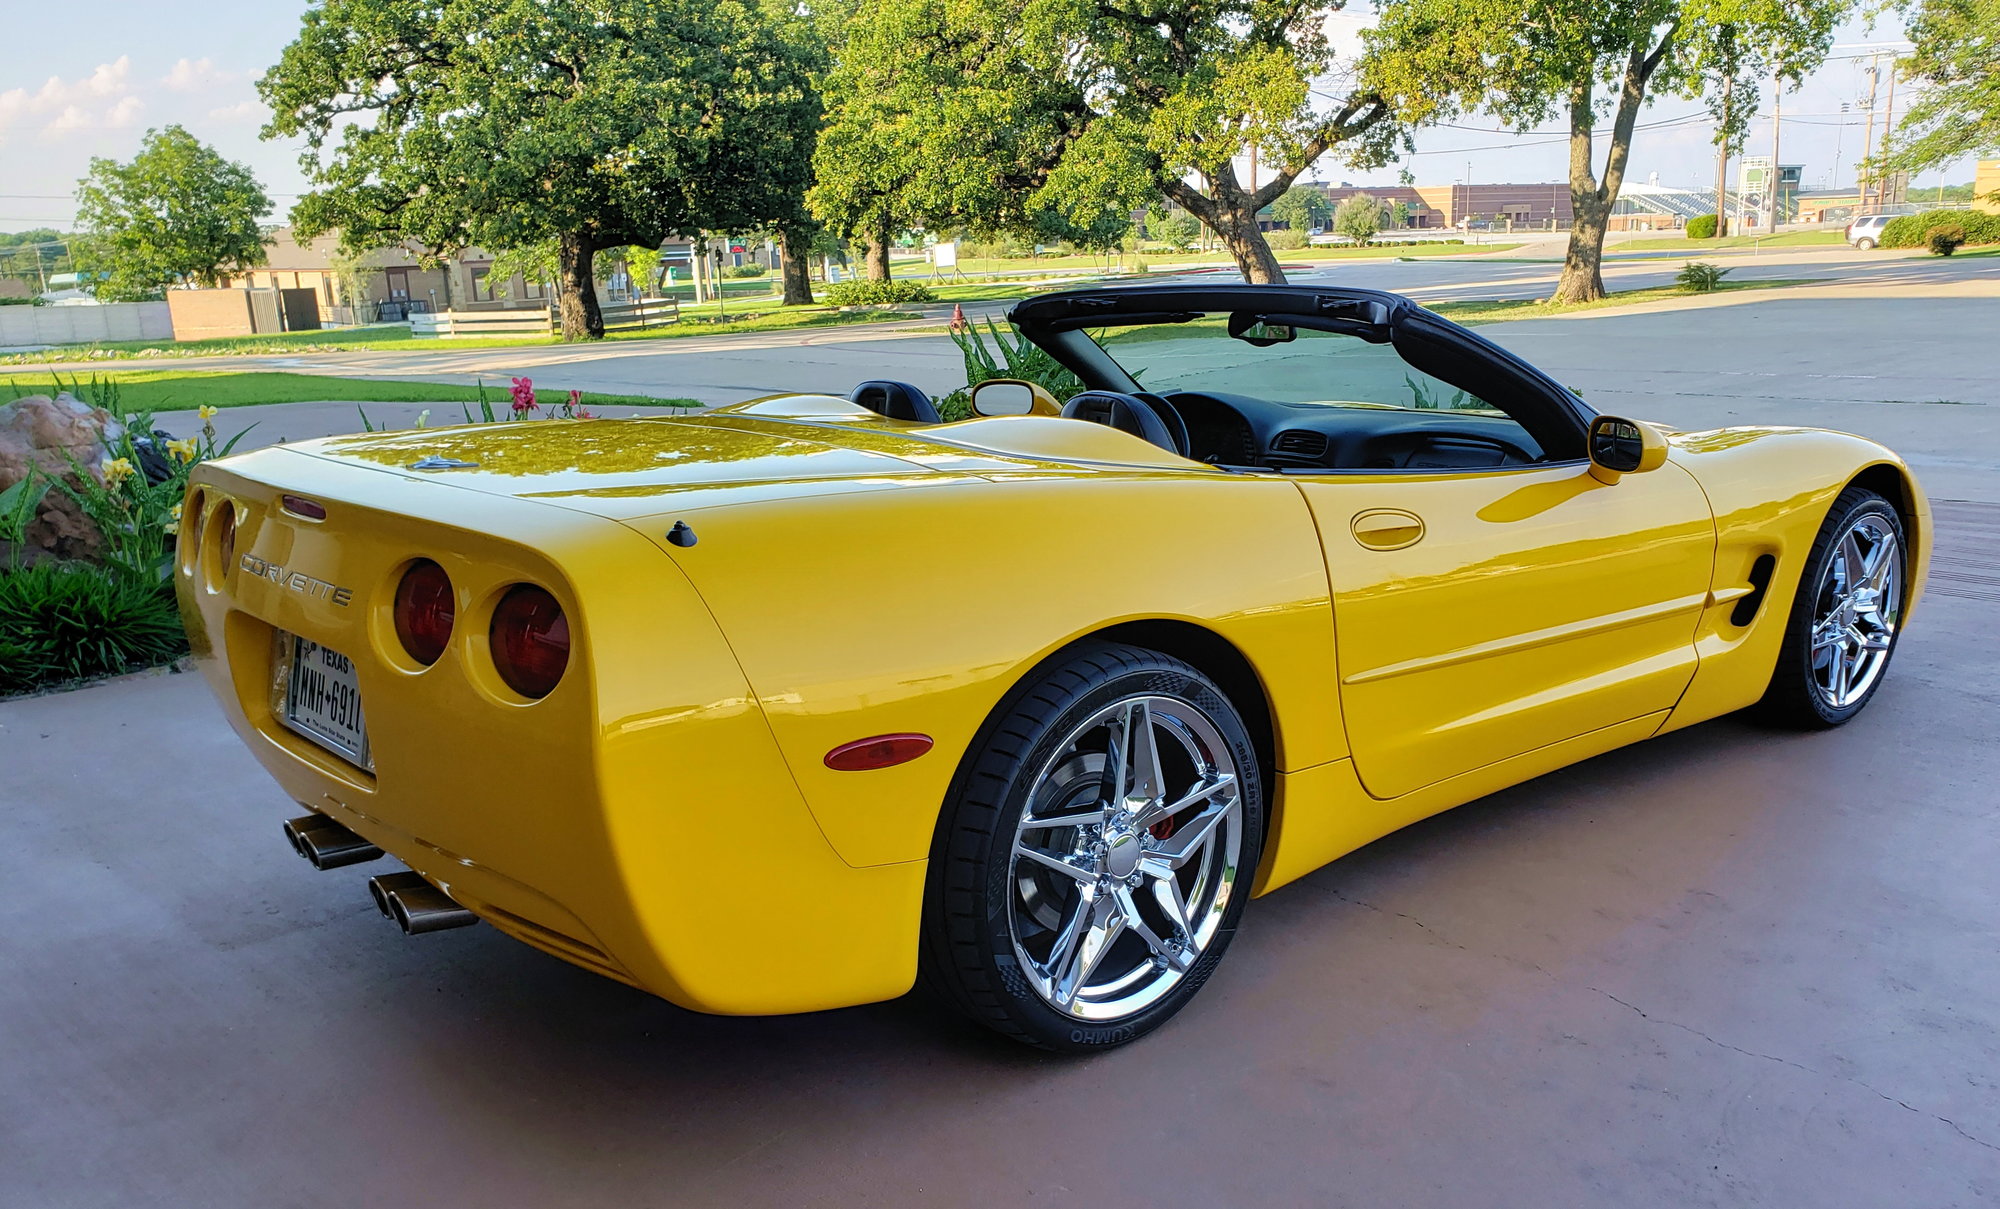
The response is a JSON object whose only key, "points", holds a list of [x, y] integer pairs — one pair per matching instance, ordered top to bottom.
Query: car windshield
{"points": [[1311, 369]]}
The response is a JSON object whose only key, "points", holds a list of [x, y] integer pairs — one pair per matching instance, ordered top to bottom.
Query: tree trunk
{"points": [[878, 252], [1254, 258], [1583, 264], [794, 266], [576, 288]]}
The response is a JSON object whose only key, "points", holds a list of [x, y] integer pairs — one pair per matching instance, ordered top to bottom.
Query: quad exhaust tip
{"points": [[326, 844], [416, 905]]}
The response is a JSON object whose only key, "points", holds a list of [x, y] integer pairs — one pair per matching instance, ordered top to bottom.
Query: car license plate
{"points": [[323, 700]]}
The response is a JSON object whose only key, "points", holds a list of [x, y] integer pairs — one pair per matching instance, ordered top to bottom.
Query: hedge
{"points": [[1701, 226], [1914, 230], [873, 293]]}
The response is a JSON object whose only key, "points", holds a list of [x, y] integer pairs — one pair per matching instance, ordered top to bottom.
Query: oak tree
{"points": [[1584, 62], [1957, 63], [594, 124], [177, 212]]}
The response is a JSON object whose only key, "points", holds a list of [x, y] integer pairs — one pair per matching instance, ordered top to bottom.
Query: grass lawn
{"points": [[1681, 243], [1026, 265], [1537, 308], [180, 389]]}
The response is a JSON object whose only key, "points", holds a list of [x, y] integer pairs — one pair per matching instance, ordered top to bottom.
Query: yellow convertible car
{"points": [[781, 706]]}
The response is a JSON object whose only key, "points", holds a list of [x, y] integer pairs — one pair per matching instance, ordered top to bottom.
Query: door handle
{"points": [[1387, 528]]}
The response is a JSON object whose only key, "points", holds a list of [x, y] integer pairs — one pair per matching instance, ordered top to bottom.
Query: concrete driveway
{"points": [[1726, 967]]}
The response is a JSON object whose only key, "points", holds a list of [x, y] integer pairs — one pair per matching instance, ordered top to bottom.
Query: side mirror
{"points": [[1012, 397], [1620, 447]]}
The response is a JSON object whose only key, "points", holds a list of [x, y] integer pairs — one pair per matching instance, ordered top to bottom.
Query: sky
{"points": [[99, 75]]}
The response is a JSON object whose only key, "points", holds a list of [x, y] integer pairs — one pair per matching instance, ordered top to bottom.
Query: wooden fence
{"points": [[618, 317]]}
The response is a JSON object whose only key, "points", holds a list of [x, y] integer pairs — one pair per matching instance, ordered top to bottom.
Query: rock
{"points": [[39, 431]]}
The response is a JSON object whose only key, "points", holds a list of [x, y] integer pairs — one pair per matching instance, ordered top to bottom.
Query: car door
{"points": [[1478, 616]]}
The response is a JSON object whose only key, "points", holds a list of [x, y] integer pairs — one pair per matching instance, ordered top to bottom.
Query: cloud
{"points": [[198, 75], [102, 99], [242, 111]]}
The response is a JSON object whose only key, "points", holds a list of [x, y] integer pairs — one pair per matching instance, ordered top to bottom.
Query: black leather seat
{"points": [[896, 400], [1157, 423]]}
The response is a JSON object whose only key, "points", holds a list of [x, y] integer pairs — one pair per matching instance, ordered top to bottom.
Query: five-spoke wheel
{"points": [[1845, 618], [1097, 851]]}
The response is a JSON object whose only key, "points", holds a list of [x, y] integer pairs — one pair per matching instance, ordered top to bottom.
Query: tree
{"points": [[1958, 57], [1585, 61], [952, 115], [589, 124], [1302, 208], [178, 212], [1397, 214], [1358, 217], [1179, 231]]}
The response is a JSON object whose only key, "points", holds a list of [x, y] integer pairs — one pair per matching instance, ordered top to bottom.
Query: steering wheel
{"points": [[1133, 414]]}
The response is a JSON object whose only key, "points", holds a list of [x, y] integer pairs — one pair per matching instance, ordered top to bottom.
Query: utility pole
{"points": [[1888, 124], [1722, 162], [1777, 173], [1861, 181]]}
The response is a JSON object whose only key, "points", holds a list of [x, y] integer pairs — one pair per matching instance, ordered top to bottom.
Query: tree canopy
{"points": [[1957, 58], [1583, 62], [994, 117], [594, 124], [1302, 208], [177, 212], [1359, 217]]}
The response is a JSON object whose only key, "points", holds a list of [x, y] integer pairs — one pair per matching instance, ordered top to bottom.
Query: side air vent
{"points": [[1299, 443]]}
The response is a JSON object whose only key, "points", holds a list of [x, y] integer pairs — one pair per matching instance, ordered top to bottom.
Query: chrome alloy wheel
{"points": [[1859, 602], [1125, 857]]}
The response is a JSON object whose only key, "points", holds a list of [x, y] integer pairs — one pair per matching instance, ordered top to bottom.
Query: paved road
{"points": [[1723, 968]]}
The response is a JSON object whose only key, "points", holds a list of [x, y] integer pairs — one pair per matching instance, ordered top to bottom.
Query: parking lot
{"points": [[1725, 967]]}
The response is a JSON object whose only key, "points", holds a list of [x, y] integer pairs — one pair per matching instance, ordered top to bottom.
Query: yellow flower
{"points": [[205, 412], [182, 449], [116, 471], [174, 525]]}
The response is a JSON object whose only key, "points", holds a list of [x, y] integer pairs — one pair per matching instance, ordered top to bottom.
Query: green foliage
{"points": [[1957, 59], [1015, 116], [589, 124], [1302, 208], [177, 212], [1359, 217], [1701, 226], [1914, 230], [1180, 231], [1289, 239], [1943, 241], [30, 256], [745, 270], [1699, 276], [876, 293], [1011, 355], [1423, 399], [18, 505], [71, 621]]}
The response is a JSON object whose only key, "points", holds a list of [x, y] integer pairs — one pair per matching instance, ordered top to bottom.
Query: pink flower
{"points": [[523, 390], [576, 398], [581, 414]]}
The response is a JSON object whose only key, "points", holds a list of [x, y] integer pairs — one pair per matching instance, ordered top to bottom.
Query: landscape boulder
{"points": [[48, 434]]}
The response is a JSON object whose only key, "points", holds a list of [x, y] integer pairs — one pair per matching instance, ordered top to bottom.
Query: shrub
{"points": [[1701, 226], [1914, 230], [1285, 241], [1943, 241], [745, 270], [1699, 277], [877, 293], [1017, 357], [72, 621]]}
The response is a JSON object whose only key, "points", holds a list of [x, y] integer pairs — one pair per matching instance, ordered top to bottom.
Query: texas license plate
{"points": [[323, 700]]}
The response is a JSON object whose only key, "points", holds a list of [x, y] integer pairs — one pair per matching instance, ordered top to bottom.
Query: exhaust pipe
{"points": [[326, 844], [416, 905]]}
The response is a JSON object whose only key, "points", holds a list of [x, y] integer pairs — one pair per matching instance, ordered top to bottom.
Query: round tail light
{"points": [[190, 527], [225, 540], [424, 611], [530, 640]]}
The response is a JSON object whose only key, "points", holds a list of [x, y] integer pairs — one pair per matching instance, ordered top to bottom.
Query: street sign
{"points": [[944, 255]]}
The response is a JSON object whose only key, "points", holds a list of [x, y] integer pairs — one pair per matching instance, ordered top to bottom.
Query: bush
{"points": [[1701, 226], [1914, 230], [1285, 241], [1943, 241], [745, 270], [1699, 277], [876, 293], [1010, 355], [72, 621]]}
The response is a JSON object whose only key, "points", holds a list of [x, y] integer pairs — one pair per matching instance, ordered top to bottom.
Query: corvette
{"points": [[784, 705]]}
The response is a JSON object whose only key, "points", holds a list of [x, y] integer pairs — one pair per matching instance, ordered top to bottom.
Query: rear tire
{"points": [[1864, 244], [1846, 616], [1096, 853]]}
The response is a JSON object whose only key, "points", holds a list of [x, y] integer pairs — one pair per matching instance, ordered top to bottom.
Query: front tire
{"points": [[1864, 244], [1846, 616], [1096, 853]]}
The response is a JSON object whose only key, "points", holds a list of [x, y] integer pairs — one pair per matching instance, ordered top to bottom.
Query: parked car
{"points": [[1866, 231], [770, 708]]}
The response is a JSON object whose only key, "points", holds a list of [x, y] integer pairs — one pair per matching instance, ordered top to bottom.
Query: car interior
{"points": [[1428, 396]]}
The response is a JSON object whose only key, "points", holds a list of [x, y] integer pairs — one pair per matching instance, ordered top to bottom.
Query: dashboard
{"points": [[1237, 430]]}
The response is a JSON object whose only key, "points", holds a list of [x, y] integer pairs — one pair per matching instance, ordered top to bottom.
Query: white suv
{"points": [[1865, 232]]}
